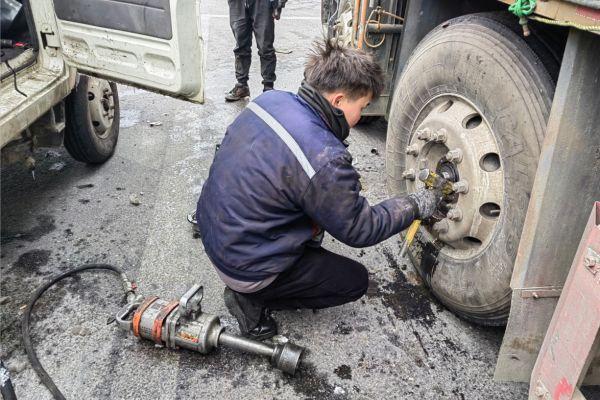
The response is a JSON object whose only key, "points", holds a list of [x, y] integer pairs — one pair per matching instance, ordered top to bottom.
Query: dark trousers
{"points": [[245, 17], [320, 279]]}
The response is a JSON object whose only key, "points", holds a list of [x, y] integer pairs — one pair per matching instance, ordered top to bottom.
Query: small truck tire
{"points": [[92, 120]]}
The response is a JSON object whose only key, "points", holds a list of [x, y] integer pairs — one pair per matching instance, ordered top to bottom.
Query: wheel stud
{"points": [[424, 134], [440, 136], [413, 150], [454, 156], [409, 174], [461, 187], [455, 214], [441, 226]]}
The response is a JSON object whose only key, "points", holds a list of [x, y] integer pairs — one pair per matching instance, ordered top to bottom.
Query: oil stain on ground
{"points": [[45, 225], [32, 261], [408, 302], [343, 371], [311, 384]]}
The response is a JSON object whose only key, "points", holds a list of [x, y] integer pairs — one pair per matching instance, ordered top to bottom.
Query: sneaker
{"points": [[268, 87], [238, 92], [254, 321]]}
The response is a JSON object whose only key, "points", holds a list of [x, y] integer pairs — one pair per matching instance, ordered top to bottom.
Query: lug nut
{"points": [[424, 134], [440, 136], [413, 150], [454, 155], [409, 174], [424, 174], [460, 187], [455, 214], [441, 226]]}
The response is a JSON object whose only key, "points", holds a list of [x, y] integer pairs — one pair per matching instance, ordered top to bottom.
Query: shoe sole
{"points": [[238, 99], [260, 338]]}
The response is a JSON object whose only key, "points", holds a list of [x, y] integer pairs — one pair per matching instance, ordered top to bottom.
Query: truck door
{"points": [[153, 44]]}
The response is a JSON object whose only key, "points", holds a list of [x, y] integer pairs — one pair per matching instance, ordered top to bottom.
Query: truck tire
{"points": [[474, 86], [92, 120]]}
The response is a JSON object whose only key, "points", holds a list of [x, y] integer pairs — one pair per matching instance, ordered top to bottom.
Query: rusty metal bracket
{"points": [[540, 292], [573, 337]]}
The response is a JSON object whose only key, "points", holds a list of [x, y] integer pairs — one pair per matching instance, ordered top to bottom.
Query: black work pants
{"points": [[245, 17], [320, 279]]}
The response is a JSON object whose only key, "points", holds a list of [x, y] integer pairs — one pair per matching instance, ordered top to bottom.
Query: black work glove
{"points": [[428, 201]]}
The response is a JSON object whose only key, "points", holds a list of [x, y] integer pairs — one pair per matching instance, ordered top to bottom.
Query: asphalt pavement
{"points": [[397, 342]]}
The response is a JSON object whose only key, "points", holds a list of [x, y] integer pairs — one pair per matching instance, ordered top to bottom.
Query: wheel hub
{"points": [[101, 105], [456, 141]]}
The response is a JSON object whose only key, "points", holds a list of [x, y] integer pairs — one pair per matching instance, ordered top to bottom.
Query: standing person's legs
{"points": [[241, 24], [264, 31], [320, 279]]}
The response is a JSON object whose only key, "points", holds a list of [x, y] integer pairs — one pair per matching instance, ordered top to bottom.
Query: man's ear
{"points": [[337, 98]]}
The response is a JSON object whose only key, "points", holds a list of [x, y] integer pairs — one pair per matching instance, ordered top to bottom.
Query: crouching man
{"points": [[283, 176]]}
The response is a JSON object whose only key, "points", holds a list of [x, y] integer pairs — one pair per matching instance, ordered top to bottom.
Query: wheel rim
{"points": [[101, 105], [455, 139]]}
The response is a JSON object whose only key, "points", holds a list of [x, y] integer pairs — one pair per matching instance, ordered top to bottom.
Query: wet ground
{"points": [[396, 342]]}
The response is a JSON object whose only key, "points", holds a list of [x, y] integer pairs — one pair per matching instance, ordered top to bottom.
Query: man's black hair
{"points": [[333, 67]]}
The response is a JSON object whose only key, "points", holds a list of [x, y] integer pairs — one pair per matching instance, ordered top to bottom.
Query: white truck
{"points": [[48, 46]]}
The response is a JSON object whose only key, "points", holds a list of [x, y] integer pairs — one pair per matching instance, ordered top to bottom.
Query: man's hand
{"points": [[277, 6], [428, 201]]}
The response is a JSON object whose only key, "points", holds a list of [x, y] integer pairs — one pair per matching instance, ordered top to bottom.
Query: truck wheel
{"points": [[472, 104], [92, 120]]}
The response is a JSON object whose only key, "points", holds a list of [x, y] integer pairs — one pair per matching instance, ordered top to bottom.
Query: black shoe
{"points": [[268, 87], [238, 92], [254, 321], [266, 328]]}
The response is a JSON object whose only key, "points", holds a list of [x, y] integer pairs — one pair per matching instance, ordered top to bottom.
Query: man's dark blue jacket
{"points": [[279, 175]]}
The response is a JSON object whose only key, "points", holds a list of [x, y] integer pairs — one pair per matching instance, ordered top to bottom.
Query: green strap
{"points": [[522, 8]]}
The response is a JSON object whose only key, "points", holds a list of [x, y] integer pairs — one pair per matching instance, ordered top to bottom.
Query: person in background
{"points": [[246, 17]]}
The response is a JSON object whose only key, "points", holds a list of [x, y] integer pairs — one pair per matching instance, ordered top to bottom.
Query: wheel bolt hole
{"points": [[91, 96], [444, 107], [472, 121], [96, 124], [490, 162], [490, 210], [472, 241]]}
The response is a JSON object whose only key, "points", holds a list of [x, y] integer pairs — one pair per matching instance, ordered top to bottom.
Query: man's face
{"points": [[351, 107]]}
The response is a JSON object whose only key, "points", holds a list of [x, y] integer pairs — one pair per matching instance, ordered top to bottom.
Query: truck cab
{"points": [[61, 59]]}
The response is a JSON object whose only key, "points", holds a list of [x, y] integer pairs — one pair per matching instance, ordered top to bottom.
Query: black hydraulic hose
{"points": [[33, 359]]}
